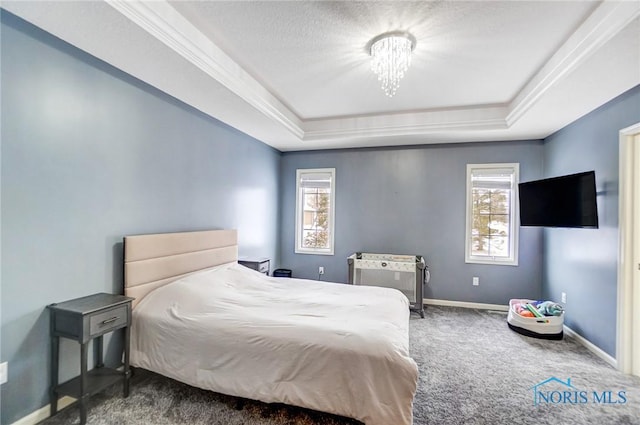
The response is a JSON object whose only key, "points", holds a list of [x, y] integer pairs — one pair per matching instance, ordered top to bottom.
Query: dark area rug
{"points": [[473, 370]]}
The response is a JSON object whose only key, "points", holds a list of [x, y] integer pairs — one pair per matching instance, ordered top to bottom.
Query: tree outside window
{"points": [[315, 206], [315, 226], [492, 231]]}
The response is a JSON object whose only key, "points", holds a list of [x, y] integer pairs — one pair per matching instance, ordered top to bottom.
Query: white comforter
{"points": [[331, 347]]}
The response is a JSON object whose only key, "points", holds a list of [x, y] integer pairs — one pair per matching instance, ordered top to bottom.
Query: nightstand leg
{"points": [[127, 371], [83, 384], [53, 393]]}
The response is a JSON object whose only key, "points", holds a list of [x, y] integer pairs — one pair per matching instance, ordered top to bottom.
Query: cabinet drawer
{"points": [[106, 320]]}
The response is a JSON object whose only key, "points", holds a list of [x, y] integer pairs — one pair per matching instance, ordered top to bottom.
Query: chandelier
{"points": [[390, 58]]}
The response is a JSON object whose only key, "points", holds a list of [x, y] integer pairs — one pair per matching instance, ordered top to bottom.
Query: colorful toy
{"points": [[549, 308], [534, 310]]}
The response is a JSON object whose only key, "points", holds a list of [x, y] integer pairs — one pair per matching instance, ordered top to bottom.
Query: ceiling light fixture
{"points": [[390, 58]]}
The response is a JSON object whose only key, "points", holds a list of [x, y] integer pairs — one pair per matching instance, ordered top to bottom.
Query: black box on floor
{"points": [[282, 273]]}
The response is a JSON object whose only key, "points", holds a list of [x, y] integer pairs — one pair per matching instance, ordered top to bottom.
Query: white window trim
{"points": [[332, 216], [514, 227]]}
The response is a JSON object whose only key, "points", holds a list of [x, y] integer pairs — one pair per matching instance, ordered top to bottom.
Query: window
{"points": [[492, 197], [315, 211]]}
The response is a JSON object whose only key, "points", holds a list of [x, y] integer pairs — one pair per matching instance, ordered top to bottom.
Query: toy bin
{"points": [[548, 327]]}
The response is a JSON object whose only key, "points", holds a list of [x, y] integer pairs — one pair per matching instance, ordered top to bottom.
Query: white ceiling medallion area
{"points": [[277, 72]]}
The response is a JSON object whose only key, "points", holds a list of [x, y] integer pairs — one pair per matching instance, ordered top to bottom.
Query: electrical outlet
{"points": [[320, 270], [476, 281], [564, 297], [4, 372]]}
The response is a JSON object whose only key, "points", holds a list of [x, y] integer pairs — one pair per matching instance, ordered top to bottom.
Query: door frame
{"points": [[629, 163]]}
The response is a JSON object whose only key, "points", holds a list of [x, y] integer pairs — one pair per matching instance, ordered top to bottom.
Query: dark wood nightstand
{"points": [[261, 265], [84, 319]]}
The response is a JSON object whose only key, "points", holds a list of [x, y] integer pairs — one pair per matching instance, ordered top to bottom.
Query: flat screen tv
{"points": [[566, 201]]}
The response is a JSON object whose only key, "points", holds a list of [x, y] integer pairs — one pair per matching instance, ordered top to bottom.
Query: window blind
{"points": [[492, 178], [315, 180]]}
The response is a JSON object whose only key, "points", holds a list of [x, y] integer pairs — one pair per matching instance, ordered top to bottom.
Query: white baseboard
{"points": [[464, 304], [567, 330], [590, 346], [43, 413]]}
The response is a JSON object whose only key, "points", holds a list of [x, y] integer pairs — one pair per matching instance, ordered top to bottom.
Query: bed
{"points": [[201, 318]]}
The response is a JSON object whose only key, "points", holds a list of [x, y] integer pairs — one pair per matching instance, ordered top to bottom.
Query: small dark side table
{"points": [[82, 320]]}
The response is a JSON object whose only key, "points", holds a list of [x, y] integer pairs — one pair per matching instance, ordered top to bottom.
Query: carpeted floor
{"points": [[473, 370]]}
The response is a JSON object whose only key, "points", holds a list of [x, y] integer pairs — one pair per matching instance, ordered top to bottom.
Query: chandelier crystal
{"points": [[390, 58]]}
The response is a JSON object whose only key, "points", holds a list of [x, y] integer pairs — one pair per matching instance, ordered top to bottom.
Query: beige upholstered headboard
{"points": [[151, 261]]}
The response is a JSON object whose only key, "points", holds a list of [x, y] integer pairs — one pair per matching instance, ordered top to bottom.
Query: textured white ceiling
{"points": [[312, 54], [295, 74]]}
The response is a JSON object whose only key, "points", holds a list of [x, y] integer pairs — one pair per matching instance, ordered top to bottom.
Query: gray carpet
{"points": [[473, 370]]}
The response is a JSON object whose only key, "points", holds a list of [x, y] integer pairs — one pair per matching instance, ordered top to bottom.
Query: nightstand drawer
{"points": [[261, 265], [264, 267], [107, 320]]}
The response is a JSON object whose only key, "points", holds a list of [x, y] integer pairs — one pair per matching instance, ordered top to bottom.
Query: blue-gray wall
{"points": [[90, 154], [411, 200], [583, 262]]}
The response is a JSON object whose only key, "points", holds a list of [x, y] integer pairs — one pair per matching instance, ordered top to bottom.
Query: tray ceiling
{"points": [[296, 75]]}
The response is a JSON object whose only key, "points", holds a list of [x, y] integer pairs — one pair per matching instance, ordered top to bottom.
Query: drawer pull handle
{"points": [[113, 319]]}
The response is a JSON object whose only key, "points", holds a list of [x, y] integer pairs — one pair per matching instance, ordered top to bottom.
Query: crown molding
{"points": [[611, 17], [163, 22], [244, 103], [414, 123]]}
